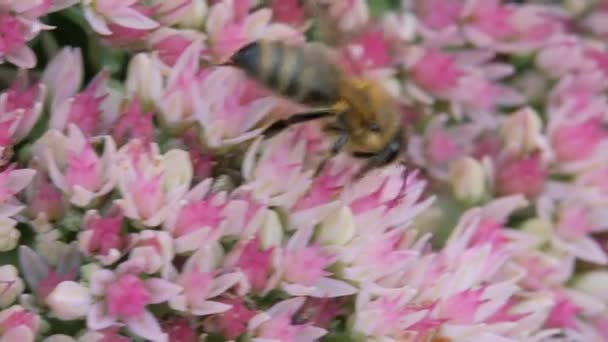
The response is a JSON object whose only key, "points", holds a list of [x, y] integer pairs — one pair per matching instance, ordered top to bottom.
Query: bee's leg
{"points": [[280, 125], [335, 149], [381, 158]]}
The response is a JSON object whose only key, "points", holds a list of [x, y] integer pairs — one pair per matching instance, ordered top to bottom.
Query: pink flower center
{"points": [[288, 11], [493, 19], [12, 36], [436, 71], [19, 97], [85, 110], [133, 124], [84, 169], [525, 176], [324, 188], [148, 195], [48, 200], [196, 215], [488, 231], [106, 234], [255, 264], [305, 266], [127, 297], [461, 307], [563, 314], [16, 319], [233, 322], [180, 329]]}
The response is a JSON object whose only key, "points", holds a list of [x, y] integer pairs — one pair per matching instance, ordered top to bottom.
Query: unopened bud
{"points": [[144, 79], [521, 132], [468, 181], [338, 228], [271, 233], [69, 301]]}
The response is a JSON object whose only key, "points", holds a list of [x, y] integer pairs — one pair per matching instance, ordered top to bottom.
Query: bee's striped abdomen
{"points": [[290, 71]]}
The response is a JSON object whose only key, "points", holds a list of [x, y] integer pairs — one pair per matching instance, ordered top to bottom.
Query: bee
{"points": [[359, 112]]}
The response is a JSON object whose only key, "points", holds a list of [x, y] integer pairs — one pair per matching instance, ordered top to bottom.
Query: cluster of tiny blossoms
{"points": [[151, 208]]}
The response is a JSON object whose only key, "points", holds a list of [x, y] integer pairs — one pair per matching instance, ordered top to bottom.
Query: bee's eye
{"points": [[374, 127]]}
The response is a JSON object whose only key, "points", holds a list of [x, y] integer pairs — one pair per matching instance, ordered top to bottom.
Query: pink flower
{"points": [[290, 12], [127, 14], [439, 14], [490, 18], [229, 27], [15, 34], [171, 43], [371, 50], [436, 71], [180, 101], [25, 103], [84, 110], [228, 114], [133, 124], [577, 141], [83, 175], [277, 175], [526, 176], [12, 181], [151, 184], [45, 202], [198, 220], [102, 236], [152, 252], [256, 264], [301, 270], [41, 277], [200, 285], [124, 297], [563, 314], [233, 323], [18, 324], [276, 324], [180, 329]]}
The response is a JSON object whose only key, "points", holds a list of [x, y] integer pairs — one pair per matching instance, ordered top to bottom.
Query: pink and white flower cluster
{"points": [[145, 204]]}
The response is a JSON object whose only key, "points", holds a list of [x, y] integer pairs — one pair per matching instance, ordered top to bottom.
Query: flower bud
{"points": [[194, 16], [144, 79], [521, 132], [177, 169], [467, 179], [338, 228], [538, 228], [271, 233], [9, 235], [594, 283], [11, 285], [69, 301]]}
